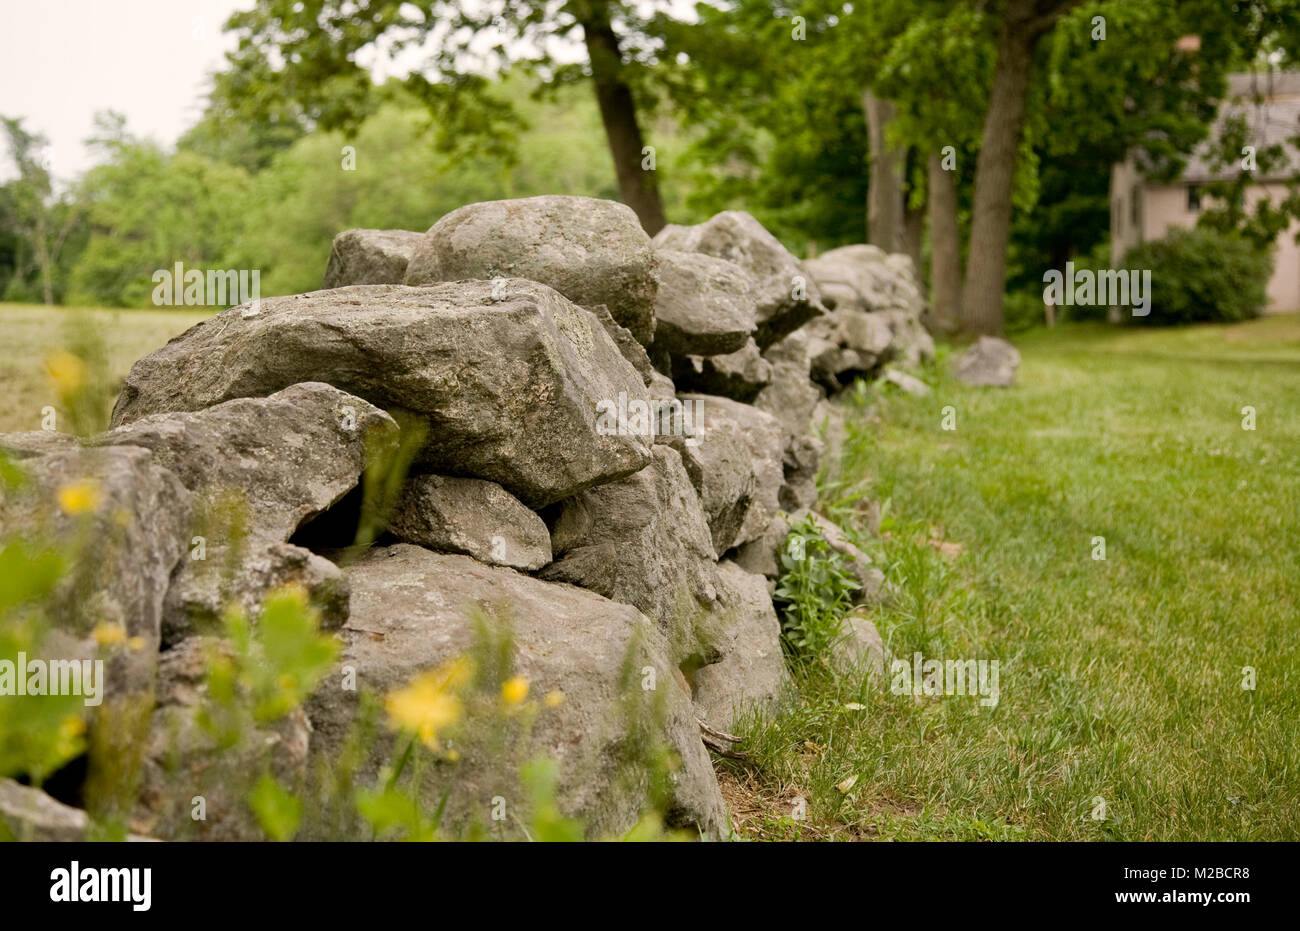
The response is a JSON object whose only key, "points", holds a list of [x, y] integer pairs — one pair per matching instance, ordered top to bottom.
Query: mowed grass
{"points": [[32, 332], [1122, 712]]}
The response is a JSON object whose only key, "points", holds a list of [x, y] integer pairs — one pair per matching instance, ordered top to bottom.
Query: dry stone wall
{"points": [[613, 434]]}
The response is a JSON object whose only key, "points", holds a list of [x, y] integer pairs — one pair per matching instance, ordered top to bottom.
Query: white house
{"points": [[1141, 209]]}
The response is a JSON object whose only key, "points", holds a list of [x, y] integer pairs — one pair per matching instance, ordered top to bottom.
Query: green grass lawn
{"points": [[114, 338], [1121, 680]]}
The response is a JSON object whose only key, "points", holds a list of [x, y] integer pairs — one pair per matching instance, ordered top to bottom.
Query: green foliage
{"points": [[1202, 275], [814, 592], [38, 733], [278, 811]]}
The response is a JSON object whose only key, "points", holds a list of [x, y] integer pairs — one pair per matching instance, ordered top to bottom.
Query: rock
{"points": [[591, 251], [370, 257], [864, 278], [784, 291], [704, 306], [912, 344], [627, 345], [990, 362], [738, 375], [499, 380], [907, 383], [790, 396], [831, 424], [30, 443], [280, 460], [734, 462], [801, 462], [261, 468], [473, 517], [124, 520], [644, 541], [762, 556], [201, 590], [408, 615], [861, 648], [751, 672], [184, 760], [28, 814]]}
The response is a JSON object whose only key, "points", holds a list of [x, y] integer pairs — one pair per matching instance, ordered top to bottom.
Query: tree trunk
{"points": [[1024, 22], [638, 188], [885, 190], [945, 248]]}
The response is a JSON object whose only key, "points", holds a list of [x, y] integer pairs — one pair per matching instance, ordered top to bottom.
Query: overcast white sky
{"points": [[62, 60]]}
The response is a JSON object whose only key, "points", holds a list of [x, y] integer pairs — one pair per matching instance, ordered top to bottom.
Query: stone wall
{"points": [[613, 432]]}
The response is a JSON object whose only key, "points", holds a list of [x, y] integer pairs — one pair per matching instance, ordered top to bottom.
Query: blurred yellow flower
{"points": [[67, 371], [79, 497], [109, 635], [136, 643], [514, 690], [554, 699], [429, 703], [71, 727]]}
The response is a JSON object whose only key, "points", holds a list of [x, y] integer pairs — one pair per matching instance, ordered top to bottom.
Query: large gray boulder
{"points": [[591, 251], [370, 257], [784, 291], [704, 306], [990, 362], [499, 369], [281, 459], [734, 462], [260, 468], [473, 517], [123, 520], [643, 540], [411, 612], [751, 672]]}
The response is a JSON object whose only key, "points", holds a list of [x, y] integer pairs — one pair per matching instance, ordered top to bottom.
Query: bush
{"points": [[1201, 275]]}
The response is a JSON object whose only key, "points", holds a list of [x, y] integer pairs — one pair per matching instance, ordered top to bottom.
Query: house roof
{"points": [[1270, 104]]}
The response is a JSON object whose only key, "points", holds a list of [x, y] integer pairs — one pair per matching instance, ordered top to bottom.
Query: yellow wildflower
{"points": [[66, 370], [79, 497], [109, 635], [515, 690], [554, 699], [429, 703]]}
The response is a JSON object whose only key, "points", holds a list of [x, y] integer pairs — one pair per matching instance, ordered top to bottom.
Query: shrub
{"points": [[1201, 275]]}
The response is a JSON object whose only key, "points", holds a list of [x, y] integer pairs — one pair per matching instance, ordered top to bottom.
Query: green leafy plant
{"points": [[814, 593]]}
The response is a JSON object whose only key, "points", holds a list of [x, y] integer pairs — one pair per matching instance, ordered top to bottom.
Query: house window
{"points": [[1193, 198]]}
